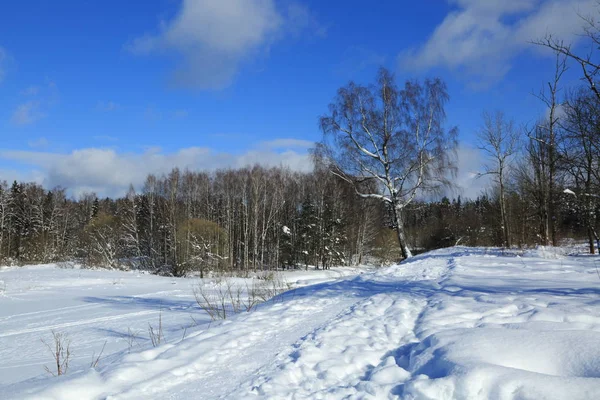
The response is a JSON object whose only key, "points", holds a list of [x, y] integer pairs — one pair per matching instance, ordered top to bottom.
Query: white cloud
{"points": [[214, 37], [481, 38], [27, 113], [470, 164], [109, 172]]}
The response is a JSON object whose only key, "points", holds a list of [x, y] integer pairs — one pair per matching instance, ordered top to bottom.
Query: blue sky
{"points": [[95, 95]]}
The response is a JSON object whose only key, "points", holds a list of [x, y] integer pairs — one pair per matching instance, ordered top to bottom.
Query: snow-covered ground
{"points": [[94, 307], [457, 323]]}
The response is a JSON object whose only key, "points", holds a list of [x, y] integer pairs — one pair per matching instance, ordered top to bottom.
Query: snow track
{"points": [[45, 328], [353, 354], [356, 354]]}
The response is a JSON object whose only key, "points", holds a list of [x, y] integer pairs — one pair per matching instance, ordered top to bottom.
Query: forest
{"points": [[381, 189], [262, 219]]}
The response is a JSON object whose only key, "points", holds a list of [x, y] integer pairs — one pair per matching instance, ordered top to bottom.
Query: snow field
{"points": [[94, 307], [457, 323]]}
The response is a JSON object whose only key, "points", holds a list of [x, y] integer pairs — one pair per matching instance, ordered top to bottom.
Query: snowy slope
{"points": [[457, 323]]}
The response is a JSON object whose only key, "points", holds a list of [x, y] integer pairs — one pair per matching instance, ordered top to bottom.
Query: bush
{"points": [[227, 297], [60, 348]]}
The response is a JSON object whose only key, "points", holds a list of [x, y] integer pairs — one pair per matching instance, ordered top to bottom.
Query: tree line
{"points": [[256, 218], [245, 219]]}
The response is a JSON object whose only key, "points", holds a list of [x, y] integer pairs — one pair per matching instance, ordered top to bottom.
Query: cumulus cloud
{"points": [[214, 37], [481, 38], [109, 172]]}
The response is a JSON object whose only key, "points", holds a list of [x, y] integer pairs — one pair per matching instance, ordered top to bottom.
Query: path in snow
{"points": [[355, 354]]}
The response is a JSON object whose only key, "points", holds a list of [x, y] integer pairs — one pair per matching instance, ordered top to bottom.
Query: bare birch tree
{"points": [[393, 136], [498, 141], [550, 141], [543, 173], [129, 228]]}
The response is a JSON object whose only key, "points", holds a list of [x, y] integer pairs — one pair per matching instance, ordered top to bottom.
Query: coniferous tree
{"points": [[308, 223]]}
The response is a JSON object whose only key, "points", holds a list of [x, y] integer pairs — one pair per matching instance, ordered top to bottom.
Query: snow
{"points": [[98, 306], [457, 323]]}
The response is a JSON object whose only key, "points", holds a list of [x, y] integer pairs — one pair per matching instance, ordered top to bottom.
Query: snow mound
{"points": [[506, 364]]}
